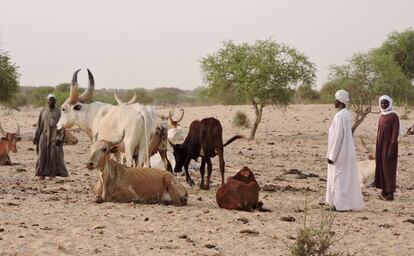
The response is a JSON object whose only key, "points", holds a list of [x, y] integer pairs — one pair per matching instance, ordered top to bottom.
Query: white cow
{"points": [[107, 120], [176, 133]]}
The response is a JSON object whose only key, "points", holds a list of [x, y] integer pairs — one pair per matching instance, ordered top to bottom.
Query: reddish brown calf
{"points": [[240, 192]]}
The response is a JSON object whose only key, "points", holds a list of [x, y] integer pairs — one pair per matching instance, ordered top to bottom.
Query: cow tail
{"points": [[144, 116], [233, 139]]}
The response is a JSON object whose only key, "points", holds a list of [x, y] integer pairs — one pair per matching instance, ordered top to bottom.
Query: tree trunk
{"points": [[258, 110], [360, 117]]}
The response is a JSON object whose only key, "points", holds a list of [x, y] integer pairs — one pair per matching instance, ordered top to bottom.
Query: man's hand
{"points": [[58, 143], [330, 161]]}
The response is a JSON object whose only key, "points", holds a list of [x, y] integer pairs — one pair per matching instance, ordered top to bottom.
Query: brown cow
{"points": [[204, 139], [8, 143], [118, 183], [241, 192]]}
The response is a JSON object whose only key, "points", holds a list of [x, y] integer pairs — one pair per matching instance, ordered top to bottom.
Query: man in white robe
{"points": [[343, 192]]}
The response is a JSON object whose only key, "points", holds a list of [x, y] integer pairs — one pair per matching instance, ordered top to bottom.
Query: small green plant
{"points": [[241, 120], [316, 239]]}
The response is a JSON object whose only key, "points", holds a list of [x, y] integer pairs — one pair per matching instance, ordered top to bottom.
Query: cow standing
{"points": [[205, 140], [8, 143], [118, 183], [240, 192]]}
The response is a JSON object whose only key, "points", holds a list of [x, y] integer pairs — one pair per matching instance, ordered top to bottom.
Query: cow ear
{"points": [[114, 149]]}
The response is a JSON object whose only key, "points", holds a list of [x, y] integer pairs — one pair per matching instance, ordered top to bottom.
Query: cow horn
{"points": [[74, 91], [88, 93], [117, 98], [134, 98], [182, 115], [2, 131], [119, 141]]}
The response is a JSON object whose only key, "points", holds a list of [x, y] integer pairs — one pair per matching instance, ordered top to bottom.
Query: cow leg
{"points": [[221, 162], [167, 164], [209, 171], [202, 172], [187, 175], [99, 190]]}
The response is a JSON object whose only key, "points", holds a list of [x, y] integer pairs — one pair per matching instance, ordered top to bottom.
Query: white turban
{"points": [[51, 96], [342, 96], [387, 98]]}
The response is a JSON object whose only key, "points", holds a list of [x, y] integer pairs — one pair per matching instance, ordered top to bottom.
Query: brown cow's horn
{"points": [[74, 92], [88, 93], [117, 98], [134, 98], [182, 115], [2, 131]]}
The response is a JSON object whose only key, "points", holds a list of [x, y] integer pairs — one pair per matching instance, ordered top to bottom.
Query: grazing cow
{"points": [[176, 134], [205, 140], [8, 143], [119, 183], [240, 192]]}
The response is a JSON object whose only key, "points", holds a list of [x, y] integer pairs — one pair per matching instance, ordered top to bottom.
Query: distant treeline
{"points": [[163, 96]]}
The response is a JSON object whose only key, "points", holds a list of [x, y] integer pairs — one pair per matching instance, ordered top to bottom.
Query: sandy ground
{"points": [[59, 217]]}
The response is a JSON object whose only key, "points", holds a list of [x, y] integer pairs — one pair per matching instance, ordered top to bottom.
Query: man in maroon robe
{"points": [[386, 155]]}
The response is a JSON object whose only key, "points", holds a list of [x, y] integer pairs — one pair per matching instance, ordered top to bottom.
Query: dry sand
{"points": [[59, 218]]}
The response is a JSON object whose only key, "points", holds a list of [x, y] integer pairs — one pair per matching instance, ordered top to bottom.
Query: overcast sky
{"points": [[149, 44]]}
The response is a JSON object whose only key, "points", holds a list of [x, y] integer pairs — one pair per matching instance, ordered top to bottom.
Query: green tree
{"points": [[400, 45], [262, 73], [367, 76], [9, 78], [306, 94]]}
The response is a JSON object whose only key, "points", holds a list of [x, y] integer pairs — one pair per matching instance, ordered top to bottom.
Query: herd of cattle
{"points": [[124, 137]]}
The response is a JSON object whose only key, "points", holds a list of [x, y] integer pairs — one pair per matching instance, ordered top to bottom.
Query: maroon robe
{"points": [[386, 165]]}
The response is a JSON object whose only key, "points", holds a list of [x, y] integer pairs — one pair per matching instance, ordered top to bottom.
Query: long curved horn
{"points": [[74, 91], [87, 95], [117, 98], [134, 99], [182, 115], [2, 131], [119, 141]]}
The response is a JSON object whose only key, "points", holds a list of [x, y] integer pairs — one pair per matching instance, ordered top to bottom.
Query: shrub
{"points": [[241, 120], [316, 239]]}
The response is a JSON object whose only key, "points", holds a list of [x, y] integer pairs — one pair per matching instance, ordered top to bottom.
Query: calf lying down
{"points": [[366, 171], [118, 183], [122, 184], [240, 192]]}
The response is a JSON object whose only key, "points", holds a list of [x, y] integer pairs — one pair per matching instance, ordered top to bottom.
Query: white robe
{"points": [[343, 190]]}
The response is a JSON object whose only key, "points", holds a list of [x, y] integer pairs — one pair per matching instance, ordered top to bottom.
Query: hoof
{"points": [[98, 200]]}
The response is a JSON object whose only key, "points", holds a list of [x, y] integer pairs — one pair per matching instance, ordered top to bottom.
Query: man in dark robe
{"points": [[49, 142], [386, 154]]}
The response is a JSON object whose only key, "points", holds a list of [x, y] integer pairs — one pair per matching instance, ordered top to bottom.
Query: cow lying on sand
{"points": [[205, 140], [8, 143], [118, 183], [240, 192]]}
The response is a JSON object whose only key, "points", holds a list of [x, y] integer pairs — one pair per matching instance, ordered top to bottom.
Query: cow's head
{"points": [[73, 109], [174, 123], [10, 138], [101, 151], [180, 153], [245, 175]]}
